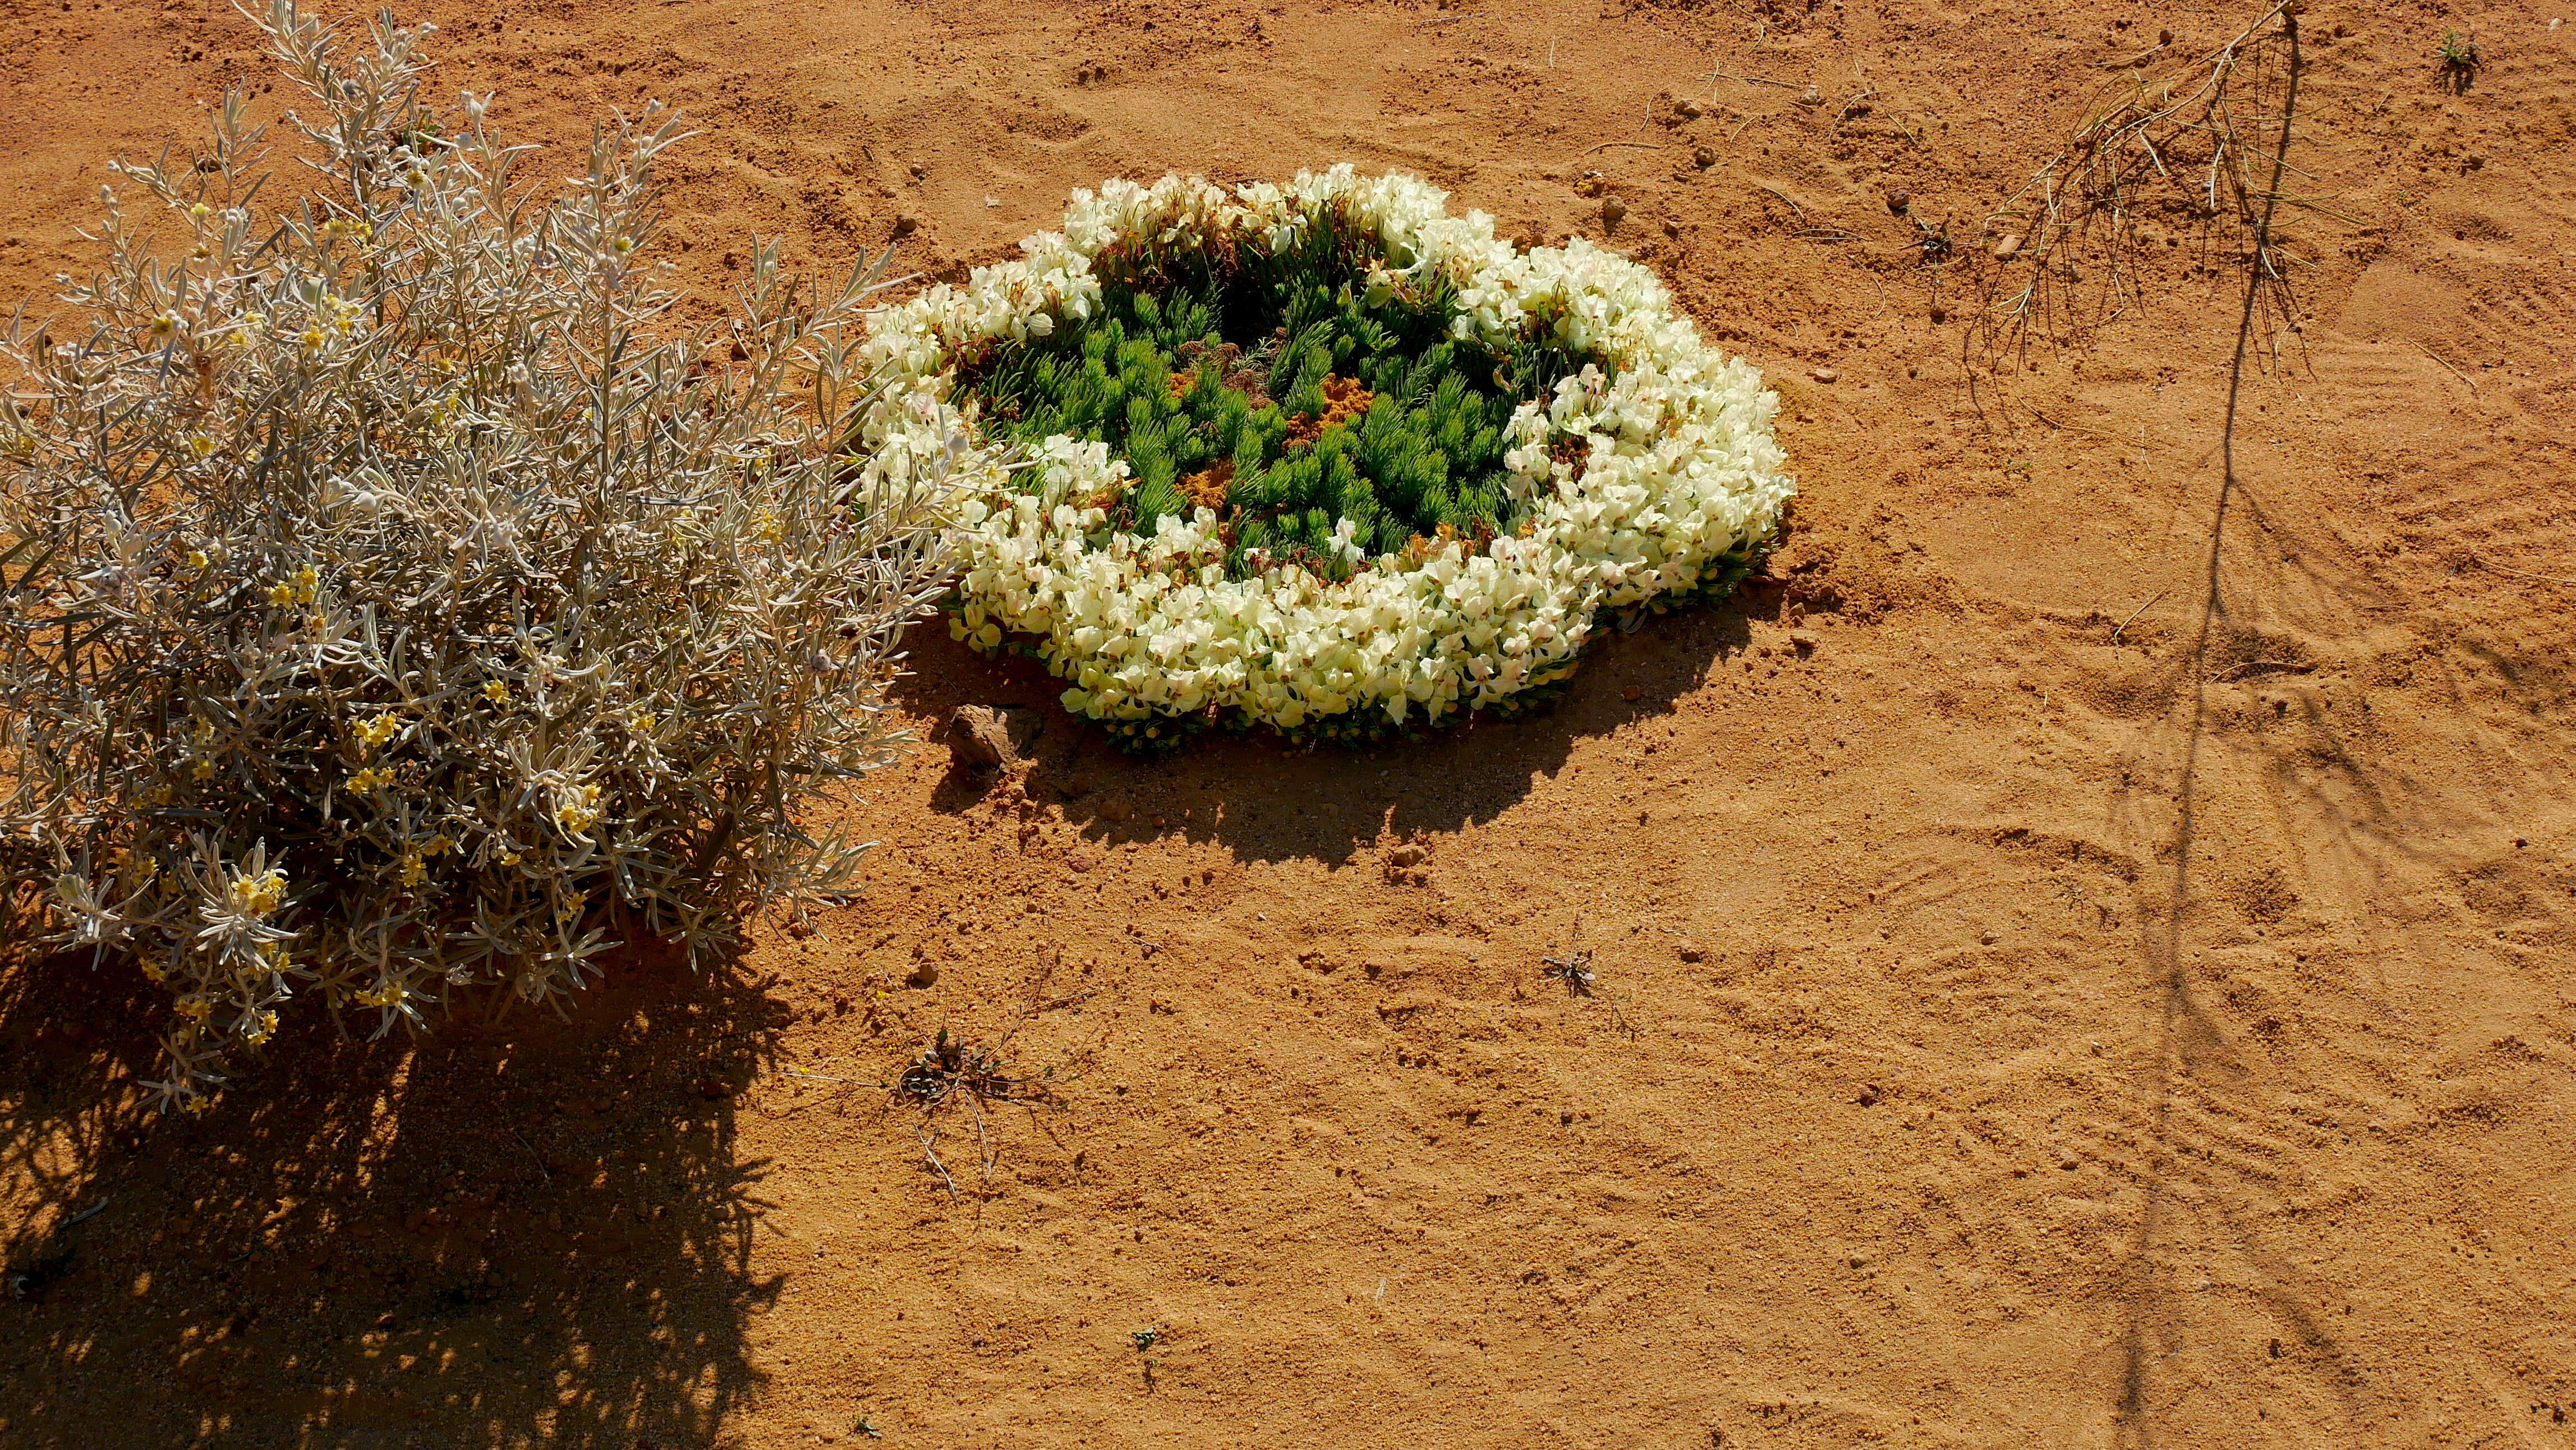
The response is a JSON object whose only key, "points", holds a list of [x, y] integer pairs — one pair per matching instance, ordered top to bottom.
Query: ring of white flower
{"points": [[1651, 478]]}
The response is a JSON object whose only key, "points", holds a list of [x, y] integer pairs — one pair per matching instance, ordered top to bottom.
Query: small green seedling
{"points": [[2459, 57], [1145, 1338], [864, 1428]]}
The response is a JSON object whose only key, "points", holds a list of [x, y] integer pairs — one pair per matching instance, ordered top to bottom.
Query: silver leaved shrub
{"points": [[397, 601]]}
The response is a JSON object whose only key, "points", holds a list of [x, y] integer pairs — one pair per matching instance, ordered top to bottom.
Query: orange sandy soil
{"points": [[2016, 1029]]}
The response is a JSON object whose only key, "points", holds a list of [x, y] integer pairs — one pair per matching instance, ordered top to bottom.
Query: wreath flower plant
{"points": [[1319, 456]]}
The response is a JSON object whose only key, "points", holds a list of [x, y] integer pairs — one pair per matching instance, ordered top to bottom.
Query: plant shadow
{"points": [[1267, 800], [516, 1230]]}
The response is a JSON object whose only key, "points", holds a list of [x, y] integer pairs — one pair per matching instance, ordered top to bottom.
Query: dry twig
{"points": [[2190, 145], [949, 1074]]}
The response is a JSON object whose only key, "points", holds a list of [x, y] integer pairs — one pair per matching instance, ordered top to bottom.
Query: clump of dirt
{"points": [[1344, 399]]}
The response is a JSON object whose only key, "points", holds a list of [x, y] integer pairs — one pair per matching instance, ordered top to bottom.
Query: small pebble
{"points": [[1811, 97], [1687, 108], [1703, 158], [1898, 198], [1613, 211], [2007, 247], [1825, 375], [1803, 639], [1989, 938], [1691, 953], [924, 974]]}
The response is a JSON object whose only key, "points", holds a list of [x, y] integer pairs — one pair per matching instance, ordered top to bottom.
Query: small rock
{"points": [[1811, 97], [1686, 108], [1703, 158], [1898, 199], [1613, 212], [906, 224], [2007, 247], [1824, 375], [1803, 640], [1632, 694], [988, 737], [1114, 810], [1407, 856], [1989, 938], [1690, 953], [924, 974]]}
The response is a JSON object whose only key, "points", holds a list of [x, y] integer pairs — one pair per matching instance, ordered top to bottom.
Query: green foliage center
{"points": [[1281, 394]]}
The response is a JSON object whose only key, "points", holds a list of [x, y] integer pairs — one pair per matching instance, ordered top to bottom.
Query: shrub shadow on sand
{"points": [[515, 1231]]}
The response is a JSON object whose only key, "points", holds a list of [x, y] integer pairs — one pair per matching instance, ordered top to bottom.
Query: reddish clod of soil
{"points": [[1344, 399], [2030, 1006]]}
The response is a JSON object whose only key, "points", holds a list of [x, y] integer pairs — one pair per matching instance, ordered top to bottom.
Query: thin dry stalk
{"points": [[2186, 149], [949, 1076]]}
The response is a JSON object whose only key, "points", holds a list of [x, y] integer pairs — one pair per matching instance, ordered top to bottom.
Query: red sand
{"points": [[1912, 1112]]}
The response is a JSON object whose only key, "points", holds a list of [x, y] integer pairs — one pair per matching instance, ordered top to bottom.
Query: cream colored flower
{"points": [[1680, 474]]}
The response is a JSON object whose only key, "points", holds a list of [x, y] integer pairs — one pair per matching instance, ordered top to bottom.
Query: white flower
{"points": [[1678, 472]]}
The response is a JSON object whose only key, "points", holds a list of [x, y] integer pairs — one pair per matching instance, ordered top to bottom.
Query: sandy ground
{"points": [[2046, 1012]]}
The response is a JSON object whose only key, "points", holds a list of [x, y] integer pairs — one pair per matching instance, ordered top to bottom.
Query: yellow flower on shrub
{"points": [[297, 588], [496, 692], [378, 729], [370, 781], [579, 811], [257, 896]]}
